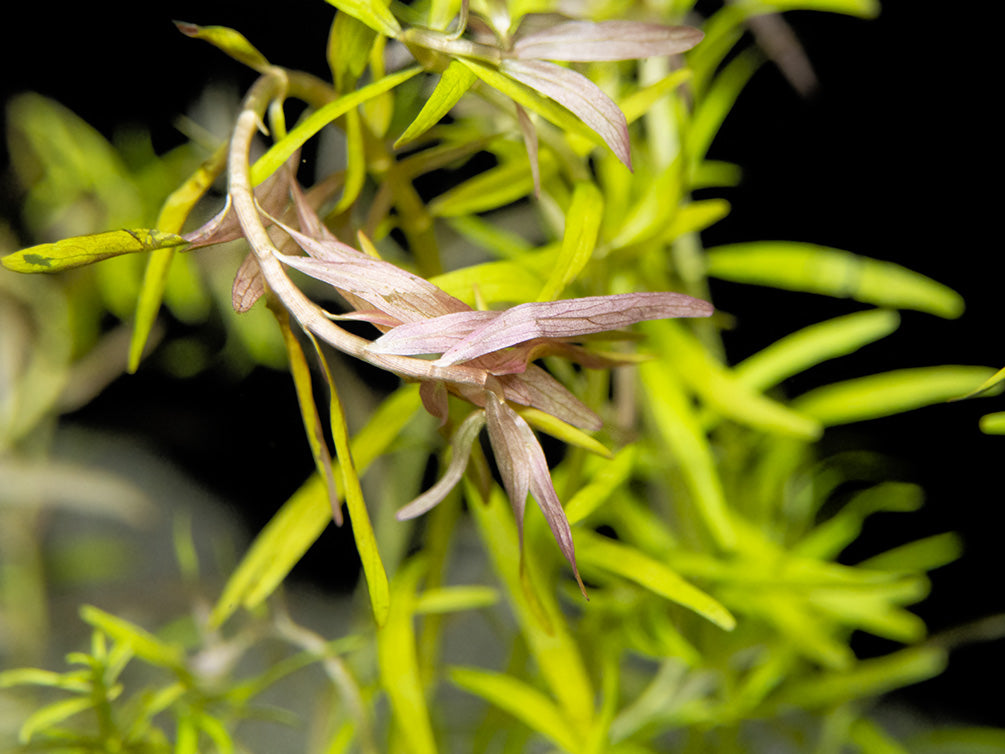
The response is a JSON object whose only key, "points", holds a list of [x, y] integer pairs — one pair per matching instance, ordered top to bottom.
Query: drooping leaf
{"points": [[453, 83], [79, 251], [832, 272], [887, 393], [530, 706]]}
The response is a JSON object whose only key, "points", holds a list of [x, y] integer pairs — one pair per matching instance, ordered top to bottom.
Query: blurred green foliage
{"points": [[709, 528]]}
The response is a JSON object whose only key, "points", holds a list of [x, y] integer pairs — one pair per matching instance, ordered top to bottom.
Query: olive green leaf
{"points": [[83, 250]]}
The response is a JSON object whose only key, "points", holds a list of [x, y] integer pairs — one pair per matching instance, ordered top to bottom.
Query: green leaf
{"points": [[860, 8], [373, 13], [230, 41], [348, 51], [453, 83], [718, 101], [281, 151], [491, 189], [695, 217], [172, 218], [582, 227], [83, 250], [832, 272], [813, 345], [996, 379], [723, 392], [887, 393], [675, 422], [993, 424], [562, 430], [613, 472], [298, 524], [362, 528], [920, 556], [634, 565], [452, 599], [143, 644], [399, 664], [76, 682], [528, 705], [53, 714], [870, 738], [959, 740]]}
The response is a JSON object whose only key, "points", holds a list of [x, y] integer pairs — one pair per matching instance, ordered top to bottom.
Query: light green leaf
{"points": [[860, 8], [373, 13], [230, 41], [348, 51], [454, 82], [638, 103], [712, 108], [281, 151], [356, 165], [491, 189], [695, 217], [172, 218], [582, 227], [83, 250], [832, 272], [813, 345], [996, 379], [723, 392], [887, 393], [675, 422], [993, 424], [562, 430], [612, 474], [298, 524], [362, 528], [920, 556], [634, 565], [451, 599], [142, 643], [399, 664], [77, 682], [528, 705], [52, 715], [870, 738], [959, 740]]}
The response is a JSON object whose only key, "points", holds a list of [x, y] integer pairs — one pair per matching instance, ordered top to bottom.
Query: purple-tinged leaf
{"points": [[582, 41], [580, 96], [249, 285], [570, 318], [434, 335], [535, 387], [435, 400], [462, 442], [524, 469]]}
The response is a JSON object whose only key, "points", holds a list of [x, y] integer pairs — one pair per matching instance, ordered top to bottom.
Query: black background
{"points": [[893, 157]]}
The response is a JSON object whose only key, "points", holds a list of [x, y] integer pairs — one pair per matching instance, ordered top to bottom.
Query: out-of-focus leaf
{"points": [[860, 8], [373, 13], [230, 41], [585, 41], [349, 45], [453, 83], [718, 101], [638, 103], [280, 152], [355, 171], [491, 189], [694, 217], [172, 218], [582, 226], [83, 250], [832, 272], [491, 282], [813, 345], [995, 379], [722, 391], [887, 393], [674, 421], [993, 424], [612, 473], [303, 517], [920, 556], [631, 564], [451, 599], [141, 642], [399, 664], [868, 678], [78, 682], [528, 705], [52, 715], [870, 738], [959, 740]]}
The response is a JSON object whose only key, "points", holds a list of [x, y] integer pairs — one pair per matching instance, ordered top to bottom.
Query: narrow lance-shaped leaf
{"points": [[373, 13], [230, 41], [584, 41], [453, 83], [580, 96], [582, 226], [79, 251], [571, 318]]}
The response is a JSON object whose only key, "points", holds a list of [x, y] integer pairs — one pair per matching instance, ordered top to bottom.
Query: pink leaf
{"points": [[581, 41], [578, 94], [570, 318], [434, 335]]}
